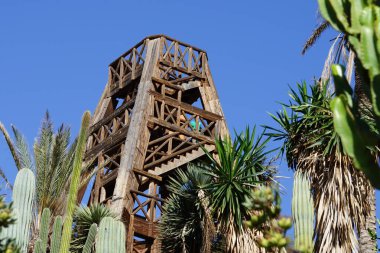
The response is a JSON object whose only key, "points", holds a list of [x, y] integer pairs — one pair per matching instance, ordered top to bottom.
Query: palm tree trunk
{"points": [[208, 224], [242, 241], [366, 244]]}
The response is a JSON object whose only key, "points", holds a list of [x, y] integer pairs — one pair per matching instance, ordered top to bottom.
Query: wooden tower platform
{"points": [[158, 108]]}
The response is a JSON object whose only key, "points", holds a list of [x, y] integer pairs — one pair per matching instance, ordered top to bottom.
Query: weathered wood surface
{"points": [[156, 128]]}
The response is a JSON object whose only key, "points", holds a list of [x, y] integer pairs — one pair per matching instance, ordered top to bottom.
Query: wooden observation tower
{"points": [[158, 108]]}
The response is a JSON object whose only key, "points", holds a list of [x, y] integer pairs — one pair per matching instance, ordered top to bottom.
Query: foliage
{"points": [[359, 21], [312, 146], [51, 161], [241, 165], [74, 184], [266, 206], [84, 218], [6, 220], [186, 222]]}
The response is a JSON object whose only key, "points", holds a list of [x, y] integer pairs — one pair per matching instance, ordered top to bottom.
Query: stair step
{"points": [[183, 159]]}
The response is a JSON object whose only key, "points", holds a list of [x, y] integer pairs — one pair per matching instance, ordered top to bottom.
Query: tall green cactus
{"points": [[360, 21], [72, 196], [23, 199], [303, 213], [44, 229], [56, 236], [111, 236], [90, 238], [38, 246]]}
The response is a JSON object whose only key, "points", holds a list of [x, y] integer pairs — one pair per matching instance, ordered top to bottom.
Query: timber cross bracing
{"points": [[157, 111]]}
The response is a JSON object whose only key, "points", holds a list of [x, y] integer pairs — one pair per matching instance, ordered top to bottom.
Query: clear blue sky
{"points": [[54, 55]]}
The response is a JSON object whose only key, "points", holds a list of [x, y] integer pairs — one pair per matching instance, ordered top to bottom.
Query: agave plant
{"points": [[312, 146]]}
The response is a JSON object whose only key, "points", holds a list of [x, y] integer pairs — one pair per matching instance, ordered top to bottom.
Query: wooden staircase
{"points": [[181, 160]]}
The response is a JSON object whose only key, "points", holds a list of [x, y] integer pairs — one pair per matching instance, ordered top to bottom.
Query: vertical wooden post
{"points": [[138, 135]]}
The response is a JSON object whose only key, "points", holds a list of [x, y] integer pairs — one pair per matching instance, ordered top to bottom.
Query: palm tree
{"points": [[340, 48], [312, 147], [51, 160], [240, 166], [187, 224]]}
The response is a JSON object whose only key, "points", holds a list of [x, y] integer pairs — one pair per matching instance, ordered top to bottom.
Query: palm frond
{"points": [[315, 36], [11, 146], [312, 146], [22, 149], [8, 184], [186, 224]]}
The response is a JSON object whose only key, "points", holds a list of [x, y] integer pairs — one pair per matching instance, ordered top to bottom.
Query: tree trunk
{"points": [[362, 94], [366, 244]]}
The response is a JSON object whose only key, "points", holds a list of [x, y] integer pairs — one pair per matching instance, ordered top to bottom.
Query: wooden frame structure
{"points": [[158, 109]]}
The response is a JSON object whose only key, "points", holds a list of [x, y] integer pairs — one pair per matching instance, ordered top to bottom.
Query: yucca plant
{"points": [[343, 52], [312, 146], [240, 166], [187, 224]]}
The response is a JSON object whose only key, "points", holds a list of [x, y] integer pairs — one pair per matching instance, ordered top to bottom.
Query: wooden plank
{"points": [[167, 83], [205, 114], [113, 115], [181, 130], [138, 136], [108, 143], [169, 157], [147, 174], [147, 195], [145, 228]]}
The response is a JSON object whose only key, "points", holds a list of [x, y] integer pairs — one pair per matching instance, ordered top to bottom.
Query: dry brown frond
{"points": [[315, 36], [341, 201], [242, 241]]}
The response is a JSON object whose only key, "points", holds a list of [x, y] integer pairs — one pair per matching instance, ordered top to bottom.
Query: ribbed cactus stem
{"points": [[74, 185], [23, 199], [303, 213], [44, 229], [56, 236], [111, 236], [90, 238], [38, 246]]}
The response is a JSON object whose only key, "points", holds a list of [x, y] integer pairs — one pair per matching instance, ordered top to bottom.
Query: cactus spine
{"points": [[72, 196], [23, 198], [303, 213], [56, 236], [111, 236], [90, 238]]}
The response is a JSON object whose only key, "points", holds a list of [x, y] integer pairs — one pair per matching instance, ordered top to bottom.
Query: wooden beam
{"points": [[170, 101], [116, 113], [181, 130], [138, 136], [147, 174]]}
